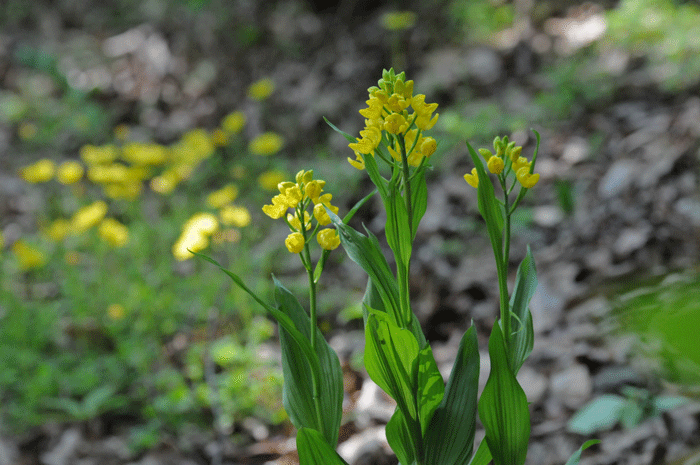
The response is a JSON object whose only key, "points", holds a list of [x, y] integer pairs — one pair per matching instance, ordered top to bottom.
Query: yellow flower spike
{"points": [[233, 122], [395, 123], [486, 153], [521, 162], [495, 165], [41, 171], [69, 172], [472, 179], [527, 179], [232, 215], [88, 216], [113, 232], [328, 239], [295, 242]]}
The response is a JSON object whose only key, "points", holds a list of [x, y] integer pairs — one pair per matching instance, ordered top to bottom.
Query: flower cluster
{"points": [[387, 119], [506, 159], [299, 196]]}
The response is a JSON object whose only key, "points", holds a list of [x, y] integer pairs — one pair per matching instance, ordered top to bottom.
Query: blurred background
{"points": [[132, 130]]}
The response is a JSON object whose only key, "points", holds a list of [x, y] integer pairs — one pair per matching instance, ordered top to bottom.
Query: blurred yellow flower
{"points": [[398, 20], [260, 90], [233, 122], [27, 131], [219, 137], [267, 143], [198, 145], [140, 153], [95, 155], [41, 171], [69, 172], [103, 174], [269, 179], [165, 183], [123, 190], [221, 197], [232, 215], [88, 216], [58, 229], [113, 232], [195, 235], [28, 257], [71, 258], [115, 311]]}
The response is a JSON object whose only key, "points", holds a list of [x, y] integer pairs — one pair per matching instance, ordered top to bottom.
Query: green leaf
{"points": [[347, 136], [376, 177], [489, 208], [397, 234], [365, 251], [523, 337], [391, 360], [298, 385], [431, 387], [663, 403], [503, 407], [599, 414], [399, 437], [450, 437], [314, 450], [482, 456], [576, 457]]}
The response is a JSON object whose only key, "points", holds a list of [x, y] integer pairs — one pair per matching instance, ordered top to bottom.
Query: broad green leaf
{"points": [[419, 198], [490, 209], [346, 219], [398, 235], [366, 252], [282, 318], [523, 337], [391, 360], [298, 385], [431, 387], [663, 403], [503, 407], [600, 414], [399, 437], [450, 437], [314, 450], [482, 456], [576, 457]]}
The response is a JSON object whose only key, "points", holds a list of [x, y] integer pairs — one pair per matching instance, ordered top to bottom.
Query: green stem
{"points": [[503, 269]]}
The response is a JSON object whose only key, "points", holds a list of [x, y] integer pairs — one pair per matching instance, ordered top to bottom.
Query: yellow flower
{"points": [[260, 90], [374, 109], [423, 112], [233, 122], [395, 123], [371, 136], [267, 143], [197, 145], [428, 146], [140, 153], [486, 153], [93, 155], [521, 162], [358, 163], [495, 165], [41, 171], [69, 172], [103, 174], [270, 179], [472, 179], [526, 179], [165, 183], [313, 189], [129, 190], [226, 194], [292, 196], [278, 207], [320, 212], [232, 215], [88, 216], [296, 224], [58, 229], [113, 232], [195, 235], [328, 239], [295, 242], [28, 257]]}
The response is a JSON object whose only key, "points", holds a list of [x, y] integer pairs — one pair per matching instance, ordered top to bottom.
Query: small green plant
{"points": [[434, 423]]}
